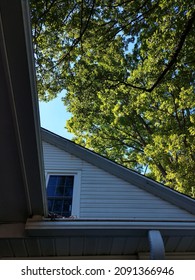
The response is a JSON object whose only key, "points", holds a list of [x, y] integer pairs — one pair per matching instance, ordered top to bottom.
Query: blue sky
{"points": [[53, 116]]}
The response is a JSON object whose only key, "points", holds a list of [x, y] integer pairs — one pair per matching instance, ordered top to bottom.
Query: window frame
{"points": [[75, 211]]}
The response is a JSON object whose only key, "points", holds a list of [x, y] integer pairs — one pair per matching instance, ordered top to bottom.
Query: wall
{"points": [[106, 196]]}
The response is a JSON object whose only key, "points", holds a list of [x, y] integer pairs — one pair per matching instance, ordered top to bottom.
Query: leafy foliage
{"points": [[129, 70]]}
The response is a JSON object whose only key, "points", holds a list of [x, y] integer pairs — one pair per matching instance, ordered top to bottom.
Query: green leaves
{"points": [[128, 68]]}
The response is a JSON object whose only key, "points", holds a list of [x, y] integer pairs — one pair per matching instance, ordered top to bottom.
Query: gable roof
{"points": [[157, 189]]}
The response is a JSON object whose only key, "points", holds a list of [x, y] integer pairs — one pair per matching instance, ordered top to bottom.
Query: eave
{"points": [[22, 181], [97, 239]]}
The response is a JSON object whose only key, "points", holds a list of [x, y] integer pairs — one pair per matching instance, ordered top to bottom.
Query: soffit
{"points": [[21, 175], [98, 239]]}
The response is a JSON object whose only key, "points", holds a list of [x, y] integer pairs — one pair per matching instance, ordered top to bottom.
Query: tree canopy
{"points": [[128, 68]]}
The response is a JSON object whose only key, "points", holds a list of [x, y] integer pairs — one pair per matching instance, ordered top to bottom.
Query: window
{"points": [[63, 194]]}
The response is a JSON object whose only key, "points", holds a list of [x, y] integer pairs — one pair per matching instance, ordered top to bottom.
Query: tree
{"points": [[129, 71]]}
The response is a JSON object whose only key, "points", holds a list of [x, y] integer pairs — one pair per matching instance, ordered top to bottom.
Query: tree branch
{"points": [[46, 10], [77, 40], [176, 53], [172, 61], [126, 84], [122, 143], [161, 169]]}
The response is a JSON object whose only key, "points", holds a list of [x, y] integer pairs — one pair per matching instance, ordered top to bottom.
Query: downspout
{"points": [[157, 249]]}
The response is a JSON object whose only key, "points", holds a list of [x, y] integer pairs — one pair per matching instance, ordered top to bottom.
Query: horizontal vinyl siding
{"points": [[57, 159], [106, 196]]}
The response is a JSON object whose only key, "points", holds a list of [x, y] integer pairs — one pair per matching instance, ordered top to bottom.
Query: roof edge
{"points": [[25, 6], [45, 228]]}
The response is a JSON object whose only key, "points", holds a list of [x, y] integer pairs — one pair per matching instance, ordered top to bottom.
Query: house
{"points": [[105, 211]]}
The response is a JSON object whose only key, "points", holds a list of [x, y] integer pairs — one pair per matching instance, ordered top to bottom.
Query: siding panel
{"points": [[105, 196]]}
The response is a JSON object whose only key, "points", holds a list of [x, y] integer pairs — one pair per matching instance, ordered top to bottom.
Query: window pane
{"points": [[52, 180], [61, 180], [69, 181], [52, 185], [50, 191], [59, 191], [68, 191], [58, 204], [67, 207]]}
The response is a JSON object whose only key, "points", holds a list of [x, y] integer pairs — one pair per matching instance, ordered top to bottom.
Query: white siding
{"points": [[106, 196]]}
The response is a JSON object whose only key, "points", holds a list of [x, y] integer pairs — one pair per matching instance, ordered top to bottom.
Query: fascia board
{"points": [[35, 109]]}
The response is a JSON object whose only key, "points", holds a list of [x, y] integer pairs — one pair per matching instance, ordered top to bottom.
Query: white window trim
{"points": [[76, 187]]}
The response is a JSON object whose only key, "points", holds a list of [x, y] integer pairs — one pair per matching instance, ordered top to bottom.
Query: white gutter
{"points": [[108, 224]]}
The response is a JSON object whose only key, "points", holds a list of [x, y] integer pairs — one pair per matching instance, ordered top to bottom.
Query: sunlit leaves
{"points": [[129, 71]]}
